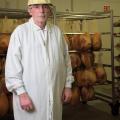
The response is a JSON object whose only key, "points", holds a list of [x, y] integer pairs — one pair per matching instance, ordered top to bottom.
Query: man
{"points": [[38, 68]]}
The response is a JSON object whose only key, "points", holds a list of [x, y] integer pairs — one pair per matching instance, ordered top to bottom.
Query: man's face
{"points": [[40, 13]]}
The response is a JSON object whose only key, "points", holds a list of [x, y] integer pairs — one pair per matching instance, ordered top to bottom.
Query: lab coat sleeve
{"points": [[13, 66], [69, 77]]}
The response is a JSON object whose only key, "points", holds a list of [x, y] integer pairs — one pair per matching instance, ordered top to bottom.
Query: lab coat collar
{"points": [[37, 28]]}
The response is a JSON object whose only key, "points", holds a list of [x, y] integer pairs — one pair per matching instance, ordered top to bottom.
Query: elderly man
{"points": [[38, 68]]}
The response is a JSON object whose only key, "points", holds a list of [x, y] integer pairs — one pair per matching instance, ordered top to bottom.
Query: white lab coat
{"points": [[38, 63]]}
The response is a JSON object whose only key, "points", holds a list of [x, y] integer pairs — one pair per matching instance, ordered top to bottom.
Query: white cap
{"points": [[32, 2]]}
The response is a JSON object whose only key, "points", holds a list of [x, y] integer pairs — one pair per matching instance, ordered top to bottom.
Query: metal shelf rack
{"points": [[112, 98]]}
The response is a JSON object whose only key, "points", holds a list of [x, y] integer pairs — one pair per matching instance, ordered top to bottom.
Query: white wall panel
{"points": [[8, 4], [22, 4], [62, 5], [96, 5]]}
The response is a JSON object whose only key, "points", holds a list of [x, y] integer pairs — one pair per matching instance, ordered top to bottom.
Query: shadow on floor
{"points": [[80, 112], [86, 112]]}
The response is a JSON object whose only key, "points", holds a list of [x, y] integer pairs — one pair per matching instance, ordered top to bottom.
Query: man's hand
{"points": [[67, 94], [26, 102]]}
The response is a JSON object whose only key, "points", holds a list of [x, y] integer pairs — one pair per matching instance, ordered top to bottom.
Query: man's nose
{"points": [[41, 8]]}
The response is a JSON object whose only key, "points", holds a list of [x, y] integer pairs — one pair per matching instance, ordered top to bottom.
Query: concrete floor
{"points": [[93, 110]]}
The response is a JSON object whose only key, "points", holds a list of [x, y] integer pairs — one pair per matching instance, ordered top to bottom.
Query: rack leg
{"points": [[115, 108]]}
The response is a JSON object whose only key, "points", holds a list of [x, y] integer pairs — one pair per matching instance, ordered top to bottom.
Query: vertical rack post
{"points": [[112, 57]]}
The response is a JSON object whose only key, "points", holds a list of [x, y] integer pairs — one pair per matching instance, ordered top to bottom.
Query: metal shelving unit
{"points": [[13, 13], [110, 96]]}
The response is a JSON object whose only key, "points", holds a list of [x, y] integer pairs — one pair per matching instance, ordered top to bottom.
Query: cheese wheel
{"points": [[76, 41], [85, 41], [96, 41], [4, 42], [87, 59], [75, 60], [100, 74], [86, 77], [87, 93]]}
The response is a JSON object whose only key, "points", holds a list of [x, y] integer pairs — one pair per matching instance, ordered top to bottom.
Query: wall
{"points": [[15, 4], [63, 5], [96, 5]]}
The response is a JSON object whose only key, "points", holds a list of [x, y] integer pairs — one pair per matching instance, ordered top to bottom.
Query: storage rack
{"points": [[13, 13], [19, 13], [112, 98]]}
